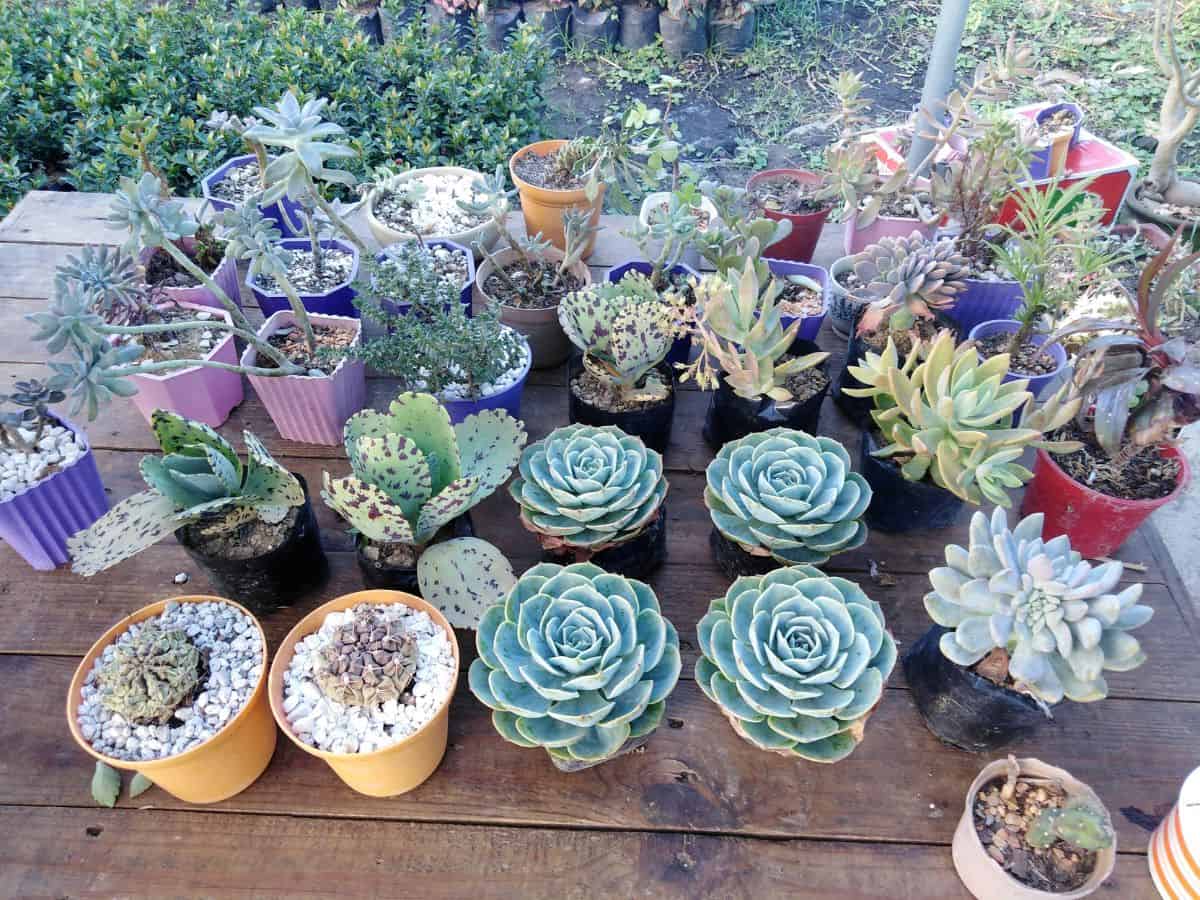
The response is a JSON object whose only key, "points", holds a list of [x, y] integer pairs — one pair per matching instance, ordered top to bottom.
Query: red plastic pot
{"points": [[806, 228], [1096, 523]]}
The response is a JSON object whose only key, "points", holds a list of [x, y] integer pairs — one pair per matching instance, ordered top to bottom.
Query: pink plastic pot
{"points": [[855, 238], [799, 245], [226, 277], [204, 394], [309, 409]]}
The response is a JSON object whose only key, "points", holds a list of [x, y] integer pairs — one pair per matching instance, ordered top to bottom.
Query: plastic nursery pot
{"points": [[461, 22], [552, 22], [501, 24], [639, 24], [595, 28], [732, 35], [686, 36], [1051, 159], [543, 207], [285, 213], [484, 234], [855, 238], [800, 243], [690, 257], [781, 269], [225, 275], [468, 288], [337, 301], [985, 301], [844, 308], [541, 327], [681, 349], [1037, 383], [507, 399], [308, 408], [856, 409], [652, 424], [899, 505], [37, 521], [1096, 523], [638, 557], [735, 562], [379, 574], [273, 579], [961, 708], [224, 765], [392, 770], [1174, 854], [984, 877]]}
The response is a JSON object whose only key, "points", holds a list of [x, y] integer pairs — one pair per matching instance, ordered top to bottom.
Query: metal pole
{"points": [[939, 75]]}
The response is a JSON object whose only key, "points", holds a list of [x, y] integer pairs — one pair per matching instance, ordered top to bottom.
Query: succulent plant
{"points": [[301, 132], [739, 232], [108, 274], [909, 278], [33, 398], [951, 417], [413, 472], [198, 479], [588, 488], [785, 494], [462, 577], [1042, 603], [370, 660], [576, 660], [796, 661], [150, 674], [1076, 824]]}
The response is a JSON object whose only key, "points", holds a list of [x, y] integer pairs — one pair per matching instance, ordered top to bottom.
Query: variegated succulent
{"points": [[909, 278], [951, 417], [199, 479], [588, 488], [785, 494], [463, 577], [1053, 613], [576, 660], [796, 661], [149, 674]]}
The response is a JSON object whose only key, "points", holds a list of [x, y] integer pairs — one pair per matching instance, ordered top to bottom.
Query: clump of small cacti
{"points": [[370, 660], [150, 675], [1077, 824]]}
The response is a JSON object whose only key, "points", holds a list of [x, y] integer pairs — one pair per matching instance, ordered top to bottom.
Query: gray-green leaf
{"points": [[106, 784], [139, 784]]}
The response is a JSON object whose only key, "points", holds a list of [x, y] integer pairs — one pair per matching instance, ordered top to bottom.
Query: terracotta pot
{"points": [[543, 208], [484, 234], [856, 238], [799, 245], [225, 275], [1096, 523], [225, 764], [391, 770], [1174, 854], [983, 876]]}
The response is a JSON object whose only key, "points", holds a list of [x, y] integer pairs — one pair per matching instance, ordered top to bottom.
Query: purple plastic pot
{"points": [[1040, 161], [285, 213], [855, 238], [226, 277], [465, 294], [338, 301], [985, 301], [812, 324], [681, 350], [1037, 383], [204, 394], [508, 399], [306, 408], [37, 522]]}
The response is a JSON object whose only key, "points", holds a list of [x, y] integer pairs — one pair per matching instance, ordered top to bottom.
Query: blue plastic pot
{"points": [[1039, 161], [285, 213], [464, 295], [338, 301], [984, 301], [811, 324], [681, 350], [1037, 383], [508, 399]]}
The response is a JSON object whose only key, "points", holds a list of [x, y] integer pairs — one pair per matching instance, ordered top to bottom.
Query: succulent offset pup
{"points": [[367, 663], [151, 675]]}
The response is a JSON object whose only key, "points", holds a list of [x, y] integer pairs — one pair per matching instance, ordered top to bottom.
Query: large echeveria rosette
{"points": [[789, 495], [576, 660], [796, 660]]}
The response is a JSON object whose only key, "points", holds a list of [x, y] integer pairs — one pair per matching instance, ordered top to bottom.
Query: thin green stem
{"points": [[342, 225], [185, 261], [299, 313], [167, 365]]}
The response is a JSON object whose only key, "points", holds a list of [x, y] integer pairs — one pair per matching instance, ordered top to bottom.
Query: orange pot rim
{"points": [[541, 148], [1185, 477], [303, 629], [148, 766]]}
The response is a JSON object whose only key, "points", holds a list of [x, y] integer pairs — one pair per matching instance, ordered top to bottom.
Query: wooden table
{"points": [[697, 812]]}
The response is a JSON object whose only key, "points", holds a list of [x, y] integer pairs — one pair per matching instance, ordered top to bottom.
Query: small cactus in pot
{"points": [[151, 675]]}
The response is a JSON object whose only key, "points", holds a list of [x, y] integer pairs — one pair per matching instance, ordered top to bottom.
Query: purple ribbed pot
{"points": [[285, 213], [855, 239], [226, 277], [337, 301], [985, 301], [812, 324], [681, 350], [1037, 383], [508, 399], [306, 408], [37, 522]]}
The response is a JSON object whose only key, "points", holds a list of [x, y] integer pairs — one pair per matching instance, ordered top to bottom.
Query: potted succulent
{"points": [[552, 21], [639, 23], [595, 24], [683, 25], [731, 25], [1053, 133], [243, 178], [791, 195], [432, 205], [668, 224], [166, 278], [847, 296], [623, 332], [767, 376], [1139, 387], [948, 433], [414, 479], [49, 485], [781, 498], [249, 525], [620, 526], [1022, 623], [771, 662], [364, 682], [177, 692], [584, 701], [1030, 831]]}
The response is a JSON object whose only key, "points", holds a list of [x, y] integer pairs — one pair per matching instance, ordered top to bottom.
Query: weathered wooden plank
{"points": [[29, 268]]}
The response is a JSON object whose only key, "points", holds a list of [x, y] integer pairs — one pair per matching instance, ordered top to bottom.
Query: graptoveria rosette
{"points": [[786, 494], [1040, 601], [576, 660], [796, 661]]}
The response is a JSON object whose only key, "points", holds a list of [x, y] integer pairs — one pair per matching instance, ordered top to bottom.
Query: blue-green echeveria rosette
{"points": [[786, 494], [576, 660], [796, 660]]}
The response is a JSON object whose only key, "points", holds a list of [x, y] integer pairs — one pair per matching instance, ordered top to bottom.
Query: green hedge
{"points": [[74, 74]]}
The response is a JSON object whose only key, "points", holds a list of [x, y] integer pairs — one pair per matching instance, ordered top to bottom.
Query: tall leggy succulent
{"points": [[909, 278], [198, 479], [785, 494], [1051, 611], [576, 660], [796, 661], [150, 675]]}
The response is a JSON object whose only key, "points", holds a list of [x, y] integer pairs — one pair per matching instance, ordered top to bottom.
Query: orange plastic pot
{"points": [[543, 208], [225, 764], [391, 770]]}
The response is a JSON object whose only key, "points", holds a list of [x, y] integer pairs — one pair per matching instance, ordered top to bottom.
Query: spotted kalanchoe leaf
{"points": [[368, 509], [463, 577]]}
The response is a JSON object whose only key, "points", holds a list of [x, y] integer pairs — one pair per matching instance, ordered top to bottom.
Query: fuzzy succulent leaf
{"points": [[424, 421], [175, 434], [394, 464], [457, 497], [463, 577], [106, 784], [138, 785], [1077, 824]]}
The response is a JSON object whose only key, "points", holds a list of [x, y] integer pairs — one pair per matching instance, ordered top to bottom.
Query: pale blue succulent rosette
{"points": [[578, 661], [796, 661]]}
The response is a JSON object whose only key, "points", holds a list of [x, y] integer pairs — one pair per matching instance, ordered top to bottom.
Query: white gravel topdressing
{"points": [[437, 212], [456, 391], [23, 468], [234, 651], [340, 728]]}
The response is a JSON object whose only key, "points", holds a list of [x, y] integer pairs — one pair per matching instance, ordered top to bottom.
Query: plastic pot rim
{"points": [[803, 175], [379, 227], [302, 243], [275, 321], [80, 436], [1185, 477]]}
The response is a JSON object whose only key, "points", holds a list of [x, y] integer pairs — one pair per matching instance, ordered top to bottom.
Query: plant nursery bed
{"points": [[696, 812]]}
